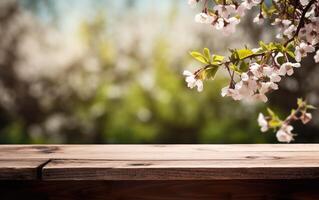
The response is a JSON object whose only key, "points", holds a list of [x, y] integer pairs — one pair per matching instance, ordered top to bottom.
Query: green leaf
{"points": [[264, 8], [271, 10], [263, 45], [275, 46], [290, 50], [260, 51], [244, 53], [207, 54], [291, 54], [198, 56], [233, 57], [217, 59], [281, 60], [243, 66], [235, 68], [211, 71], [300, 102], [311, 107], [271, 113], [274, 123]]}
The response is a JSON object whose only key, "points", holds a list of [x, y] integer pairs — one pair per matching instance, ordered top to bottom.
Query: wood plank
{"points": [[159, 152], [163, 162], [285, 168], [20, 169], [161, 190]]}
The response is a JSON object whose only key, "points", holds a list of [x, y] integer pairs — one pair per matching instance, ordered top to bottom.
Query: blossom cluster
{"points": [[223, 17], [299, 33], [255, 72], [258, 81], [284, 128]]}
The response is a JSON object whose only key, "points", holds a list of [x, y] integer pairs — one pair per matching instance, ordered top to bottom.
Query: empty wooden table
{"points": [[156, 172]]}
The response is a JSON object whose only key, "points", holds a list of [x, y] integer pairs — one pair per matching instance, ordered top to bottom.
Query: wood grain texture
{"points": [[160, 152], [162, 162], [20, 169], [181, 170], [159, 172], [161, 190]]}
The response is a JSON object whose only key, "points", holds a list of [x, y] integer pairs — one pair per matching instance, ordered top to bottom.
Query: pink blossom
{"points": [[192, 81], [284, 134]]}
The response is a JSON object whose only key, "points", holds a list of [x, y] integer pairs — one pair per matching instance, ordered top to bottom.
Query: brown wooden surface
{"points": [[158, 152], [161, 162], [20, 169], [181, 170], [159, 172], [161, 190]]}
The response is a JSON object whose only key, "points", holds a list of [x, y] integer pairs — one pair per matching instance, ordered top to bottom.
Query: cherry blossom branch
{"points": [[301, 21], [258, 71], [283, 128]]}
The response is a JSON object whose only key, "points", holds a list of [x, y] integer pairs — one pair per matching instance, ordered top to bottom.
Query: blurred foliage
{"points": [[125, 86]]}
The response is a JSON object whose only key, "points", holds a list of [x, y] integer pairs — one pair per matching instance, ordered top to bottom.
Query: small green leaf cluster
{"points": [[240, 59], [212, 63], [300, 113], [274, 122]]}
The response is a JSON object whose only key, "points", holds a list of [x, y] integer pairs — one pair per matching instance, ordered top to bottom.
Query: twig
{"points": [[301, 22]]}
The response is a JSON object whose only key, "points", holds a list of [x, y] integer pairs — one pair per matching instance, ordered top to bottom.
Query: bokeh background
{"points": [[105, 71]]}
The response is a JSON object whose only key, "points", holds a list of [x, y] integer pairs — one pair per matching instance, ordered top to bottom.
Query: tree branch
{"points": [[301, 22]]}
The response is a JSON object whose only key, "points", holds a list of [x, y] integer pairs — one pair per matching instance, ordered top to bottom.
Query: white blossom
{"points": [[304, 2], [192, 3], [248, 4], [225, 10], [311, 12], [203, 18], [259, 19], [276, 22], [286, 22], [220, 24], [231, 25], [283, 27], [289, 32], [311, 32], [279, 36], [302, 50], [316, 57], [287, 68], [256, 69], [267, 70], [272, 73], [244, 76], [274, 77], [192, 81], [252, 85], [267, 86], [243, 90], [230, 92], [260, 97], [306, 117], [262, 123], [284, 134]]}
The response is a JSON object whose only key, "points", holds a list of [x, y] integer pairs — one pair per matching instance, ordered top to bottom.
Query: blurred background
{"points": [[103, 71]]}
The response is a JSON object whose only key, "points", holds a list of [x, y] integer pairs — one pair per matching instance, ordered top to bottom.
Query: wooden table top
{"points": [[159, 162]]}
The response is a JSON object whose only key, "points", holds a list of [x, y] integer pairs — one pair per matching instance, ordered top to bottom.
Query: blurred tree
{"points": [[45, 8], [121, 83]]}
